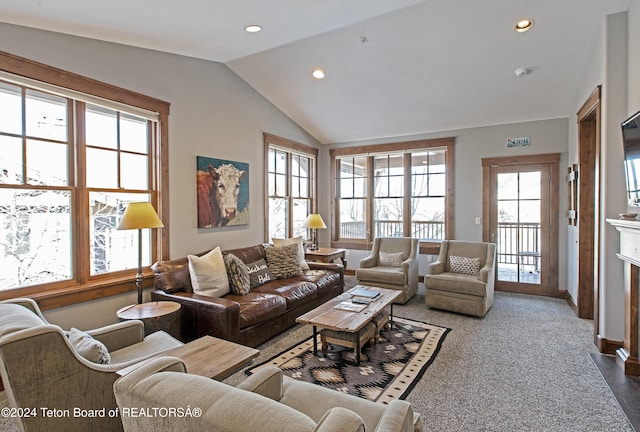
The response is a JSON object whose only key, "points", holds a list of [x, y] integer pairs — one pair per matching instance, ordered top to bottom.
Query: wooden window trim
{"points": [[287, 144], [431, 248], [65, 293]]}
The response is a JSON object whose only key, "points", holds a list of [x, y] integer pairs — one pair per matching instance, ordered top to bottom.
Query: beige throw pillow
{"points": [[297, 241], [391, 259], [283, 261], [464, 265], [209, 274], [88, 347]]}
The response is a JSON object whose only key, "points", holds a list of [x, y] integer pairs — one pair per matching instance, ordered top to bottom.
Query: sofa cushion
{"points": [[299, 241], [248, 254], [390, 259], [283, 261], [464, 265], [259, 273], [209, 274], [237, 274], [389, 275], [172, 276], [323, 279], [458, 282], [294, 292], [256, 307], [88, 347]]}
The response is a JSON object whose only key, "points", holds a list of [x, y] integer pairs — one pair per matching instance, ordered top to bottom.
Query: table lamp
{"points": [[139, 215], [314, 222]]}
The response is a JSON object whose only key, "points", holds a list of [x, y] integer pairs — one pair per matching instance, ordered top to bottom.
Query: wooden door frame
{"points": [[589, 141], [553, 161]]}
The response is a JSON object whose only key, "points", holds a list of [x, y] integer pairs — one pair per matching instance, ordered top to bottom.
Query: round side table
{"points": [[158, 315]]}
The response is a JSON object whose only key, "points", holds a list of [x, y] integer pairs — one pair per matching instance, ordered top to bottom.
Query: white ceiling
{"points": [[426, 65]]}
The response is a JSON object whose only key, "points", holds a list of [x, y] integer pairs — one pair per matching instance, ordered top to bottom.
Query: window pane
{"points": [[11, 103], [46, 116], [101, 127], [133, 134], [10, 160], [271, 160], [281, 162], [47, 163], [295, 165], [304, 167], [102, 168], [134, 172], [281, 185], [437, 185], [530, 185], [381, 186], [507, 186], [360, 187], [346, 188], [305, 191], [301, 208], [278, 211], [507, 211], [530, 211], [388, 217], [427, 218], [352, 219], [35, 237], [112, 249]]}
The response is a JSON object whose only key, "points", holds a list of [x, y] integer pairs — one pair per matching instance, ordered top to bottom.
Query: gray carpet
{"points": [[525, 367]]}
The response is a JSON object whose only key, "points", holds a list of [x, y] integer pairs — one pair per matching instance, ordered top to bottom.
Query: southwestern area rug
{"points": [[388, 370]]}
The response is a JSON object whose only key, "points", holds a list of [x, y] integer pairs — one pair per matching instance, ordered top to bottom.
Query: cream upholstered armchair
{"points": [[392, 264], [462, 279], [41, 368], [266, 402]]}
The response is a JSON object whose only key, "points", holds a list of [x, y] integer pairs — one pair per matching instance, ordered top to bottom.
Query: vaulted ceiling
{"points": [[393, 67]]}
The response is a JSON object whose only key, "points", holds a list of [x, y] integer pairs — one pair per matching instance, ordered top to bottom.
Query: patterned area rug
{"points": [[388, 370]]}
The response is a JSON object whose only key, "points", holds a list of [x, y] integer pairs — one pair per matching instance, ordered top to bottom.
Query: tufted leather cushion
{"points": [[293, 292], [257, 307]]}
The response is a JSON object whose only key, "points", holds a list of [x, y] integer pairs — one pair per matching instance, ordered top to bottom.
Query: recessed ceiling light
{"points": [[523, 25], [253, 28], [522, 72], [318, 73]]}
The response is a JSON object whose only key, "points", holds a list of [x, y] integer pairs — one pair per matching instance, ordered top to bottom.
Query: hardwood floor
{"points": [[625, 388]]}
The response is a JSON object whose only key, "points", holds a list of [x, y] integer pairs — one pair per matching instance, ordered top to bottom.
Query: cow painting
{"points": [[222, 188]]}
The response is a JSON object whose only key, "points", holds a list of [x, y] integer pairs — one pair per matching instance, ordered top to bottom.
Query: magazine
{"points": [[363, 292], [348, 306]]}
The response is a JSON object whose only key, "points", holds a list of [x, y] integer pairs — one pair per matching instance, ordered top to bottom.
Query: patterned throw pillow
{"points": [[391, 259], [283, 261], [302, 263], [464, 265], [259, 273], [209, 274], [237, 274], [88, 347]]}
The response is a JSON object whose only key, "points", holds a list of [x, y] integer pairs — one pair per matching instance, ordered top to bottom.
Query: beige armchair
{"points": [[383, 269], [462, 279], [40, 368], [265, 402]]}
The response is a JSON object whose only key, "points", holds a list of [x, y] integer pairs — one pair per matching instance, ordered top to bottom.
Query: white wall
{"points": [[213, 113], [473, 144]]}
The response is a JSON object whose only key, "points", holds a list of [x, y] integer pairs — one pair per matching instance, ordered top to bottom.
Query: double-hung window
{"points": [[70, 162], [290, 186], [393, 190]]}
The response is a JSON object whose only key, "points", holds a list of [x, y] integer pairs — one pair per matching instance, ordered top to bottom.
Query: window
{"points": [[70, 162], [290, 186], [393, 190]]}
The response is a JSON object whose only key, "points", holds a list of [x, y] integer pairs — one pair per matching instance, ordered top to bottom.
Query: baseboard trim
{"points": [[606, 346]]}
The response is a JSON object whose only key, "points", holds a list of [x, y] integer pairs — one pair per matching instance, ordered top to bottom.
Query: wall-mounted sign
{"points": [[518, 142]]}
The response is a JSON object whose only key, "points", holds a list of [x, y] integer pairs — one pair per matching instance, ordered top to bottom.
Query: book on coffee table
{"points": [[363, 292], [348, 306]]}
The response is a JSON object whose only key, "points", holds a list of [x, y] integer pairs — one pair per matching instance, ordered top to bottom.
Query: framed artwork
{"points": [[222, 191]]}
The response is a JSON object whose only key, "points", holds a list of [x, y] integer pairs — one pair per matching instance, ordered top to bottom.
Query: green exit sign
{"points": [[518, 142]]}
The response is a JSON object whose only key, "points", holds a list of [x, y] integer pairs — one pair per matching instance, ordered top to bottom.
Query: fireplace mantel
{"points": [[627, 356]]}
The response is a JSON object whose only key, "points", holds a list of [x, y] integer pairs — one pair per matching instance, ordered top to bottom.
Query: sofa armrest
{"points": [[435, 267], [202, 315], [119, 335], [266, 382], [397, 417], [340, 419]]}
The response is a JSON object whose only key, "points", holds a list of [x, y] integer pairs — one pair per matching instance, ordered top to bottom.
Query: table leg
{"points": [[391, 318], [315, 340], [357, 353]]}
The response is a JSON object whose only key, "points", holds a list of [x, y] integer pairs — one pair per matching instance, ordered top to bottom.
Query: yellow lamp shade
{"points": [[139, 215], [314, 221]]}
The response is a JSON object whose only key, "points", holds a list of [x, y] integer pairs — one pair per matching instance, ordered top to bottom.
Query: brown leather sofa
{"points": [[251, 319]]}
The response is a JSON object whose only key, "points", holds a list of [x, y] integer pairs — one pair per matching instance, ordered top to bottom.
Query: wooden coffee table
{"points": [[329, 316], [207, 356]]}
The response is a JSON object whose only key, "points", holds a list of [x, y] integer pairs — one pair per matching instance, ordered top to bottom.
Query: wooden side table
{"points": [[326, 255], [158, 315], [208, 356]]}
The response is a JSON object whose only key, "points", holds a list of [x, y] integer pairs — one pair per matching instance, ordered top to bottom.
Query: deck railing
{"points": [[429, 230]]}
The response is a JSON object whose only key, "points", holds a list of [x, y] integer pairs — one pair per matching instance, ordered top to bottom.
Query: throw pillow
{"points": [[297, 241], [391, 259], [283, 261], [464, 265], [259, 273], [208, 274], [237, 274], [88, 347]]}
